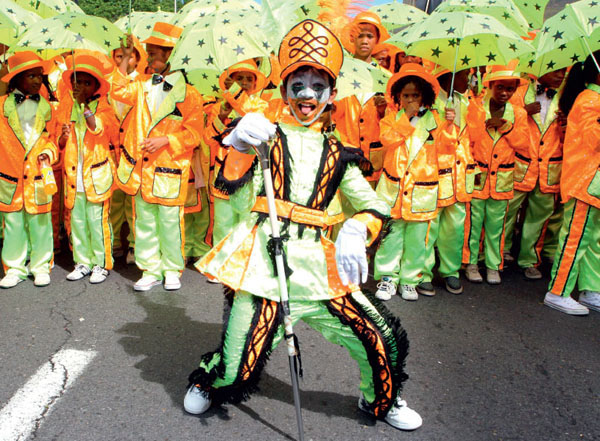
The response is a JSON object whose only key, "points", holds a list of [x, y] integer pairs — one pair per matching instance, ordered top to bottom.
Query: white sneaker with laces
{"points": [[130, 258], [78, 273], [472, 273], [98, 274], [493, 277], [42, 279], [10, 280], [172, 282], [146, 283], [385, 289], [409, 292], [591, 299], [565, 304], [196, 401], [400, 416]]}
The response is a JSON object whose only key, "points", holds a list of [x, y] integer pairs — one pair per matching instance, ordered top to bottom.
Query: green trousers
{"points": [[121, 210], [486, 215], [511, 217], [224, 219], [196, 226], [553, 231], [91, 233], [446, 233], [159, 234], [27, 235], [578, 250], [401, 254], [253, 329]]}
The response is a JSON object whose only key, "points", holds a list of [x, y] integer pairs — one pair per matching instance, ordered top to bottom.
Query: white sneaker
{"points": [[130, 258], [78, 273], [472, 273], [532, 273], [98, 274], [493, 277], [42, 279], [10, 280], [214, 281], [172, 282], [146, 283], [385, 289], [409, 292], [591, 299], [565, 304], [196, 401], [400, 416]]}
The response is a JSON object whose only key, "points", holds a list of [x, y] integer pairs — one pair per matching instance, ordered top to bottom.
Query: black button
{"points": [[361, 120], [121, 129], [362, 138], [541, 142], [495, 155], [146, 159], [539, 159], [458, 162], [73, 168], [407, 173], [493, 173], [24, 176], [72, 186], [406, 193]]}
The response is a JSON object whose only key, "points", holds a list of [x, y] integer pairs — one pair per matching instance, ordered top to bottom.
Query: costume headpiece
{"points": [[164, 34], [309, 43], [22, 61]]}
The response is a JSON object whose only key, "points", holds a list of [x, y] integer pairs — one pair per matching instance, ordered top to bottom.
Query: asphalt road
{"points": [[491, 364]]}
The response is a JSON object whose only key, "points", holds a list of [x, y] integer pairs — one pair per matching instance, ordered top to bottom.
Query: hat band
{"points": [[165, 37], [24, 64], [89, 67], [503, 73]]}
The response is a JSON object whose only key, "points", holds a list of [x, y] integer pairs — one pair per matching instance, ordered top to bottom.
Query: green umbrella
{"points": [[49, 8], [199, 9], [504, 11], [533, 11], [395, 15], [279, 16], [14, 21], [143, 22], [70, 31], [565, 38], [215, 42], [361, 79]]}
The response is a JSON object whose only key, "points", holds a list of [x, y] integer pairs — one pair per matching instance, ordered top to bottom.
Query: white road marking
{"points": [[26, 409]]}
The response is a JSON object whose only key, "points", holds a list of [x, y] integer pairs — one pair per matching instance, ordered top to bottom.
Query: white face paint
{"points": [[308, 94]]}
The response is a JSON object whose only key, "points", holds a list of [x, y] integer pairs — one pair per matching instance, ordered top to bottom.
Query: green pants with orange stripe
{"points": [[487, 216], [578, 250], [357, 321]]}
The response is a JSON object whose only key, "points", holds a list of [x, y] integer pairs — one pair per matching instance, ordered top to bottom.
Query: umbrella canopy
{"points": [[49, 8], [199, 9], [504, 11], [533, 11], [395, 15], [279, 16], [14, 21], [143, 22], [70, 31], [565, 38], [217, 41], [361, 79]]}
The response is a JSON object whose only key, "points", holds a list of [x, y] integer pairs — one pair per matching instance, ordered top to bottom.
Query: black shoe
{"points": [[453, 285], [426, 289]]}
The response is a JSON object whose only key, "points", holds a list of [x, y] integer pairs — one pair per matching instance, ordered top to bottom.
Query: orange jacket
{"points": [[358, 126], [494, 150], [98, 163], [545, 164], [581, 164], [163, 175], [20, 178], [410, 178]]}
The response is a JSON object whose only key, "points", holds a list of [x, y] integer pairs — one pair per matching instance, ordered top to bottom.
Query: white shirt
{"points": [[157, 94], [545, 103], [27, 111]]}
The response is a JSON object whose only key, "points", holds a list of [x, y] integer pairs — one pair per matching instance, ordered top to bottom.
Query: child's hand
{"points": [[127, 46], [228, 82], [381, 104], [533, 108], [411, 109], [224, 111], [450, 114], [495, 123], [64, 135], [151, 145], [43, 160]]}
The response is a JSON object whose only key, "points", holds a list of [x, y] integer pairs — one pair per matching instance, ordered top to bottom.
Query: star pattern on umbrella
{"points": [[593, 3], [537, 7], [10, 11], [563, 17], [443, 20], [592, 21], [84, 24], [485, 26], [450, 30], [545, 30], [44, 31], [240, 32], [424, 34], [558, 35], [78, 38], [223, 40], [48, 42], [453, 42], [475, 42], [106, 43], [201, 43], [266, 45], [512, 47], [562, 47], [239, 50], [435, 52], [491, 57], [575, 58], [209, 60], [465, 60], [551, 65], [341, 74], [204, 76], [356, 84], [215, 89]]}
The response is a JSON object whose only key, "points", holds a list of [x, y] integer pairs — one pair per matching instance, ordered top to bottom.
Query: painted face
{"points": [[157, 57], [246, 80], [30, 81], [84, 85], [503, 90], [308, 92], [410, 96]]}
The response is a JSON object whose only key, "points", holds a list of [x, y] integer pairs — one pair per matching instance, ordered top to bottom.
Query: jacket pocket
{"points": [[376, 155], [126, 165], [521, 167], [554, 170], [470, 174], [102, 177], [480, 178], [505, 178], [167, 183], [8, 186], [446, 187], [594, 187], [388, 188], [39, 192], [424, 197], [191, 198]]}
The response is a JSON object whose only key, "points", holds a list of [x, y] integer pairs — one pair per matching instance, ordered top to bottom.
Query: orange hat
{"points": [[350, 31], [164, 34], [309, 43], [379, 47], [22, 61], [90, 64], [245, 66], [411, 70], [498, 72]]}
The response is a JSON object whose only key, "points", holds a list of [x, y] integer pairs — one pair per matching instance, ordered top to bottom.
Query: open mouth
{"points": [[306, 108]]}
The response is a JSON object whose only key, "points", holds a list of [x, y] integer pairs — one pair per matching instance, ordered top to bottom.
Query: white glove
{"points": [[252, 130], [350, 252]]}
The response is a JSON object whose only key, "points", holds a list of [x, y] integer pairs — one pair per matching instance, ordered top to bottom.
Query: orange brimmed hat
{"points": [[351, 30], [164, 34], [309, 43], [22, 61], [92, 65], [245, 66], [411, 70], [498, 72]]}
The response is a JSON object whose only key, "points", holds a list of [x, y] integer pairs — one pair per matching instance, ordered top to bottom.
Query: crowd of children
{"points": [[90, 144]]}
